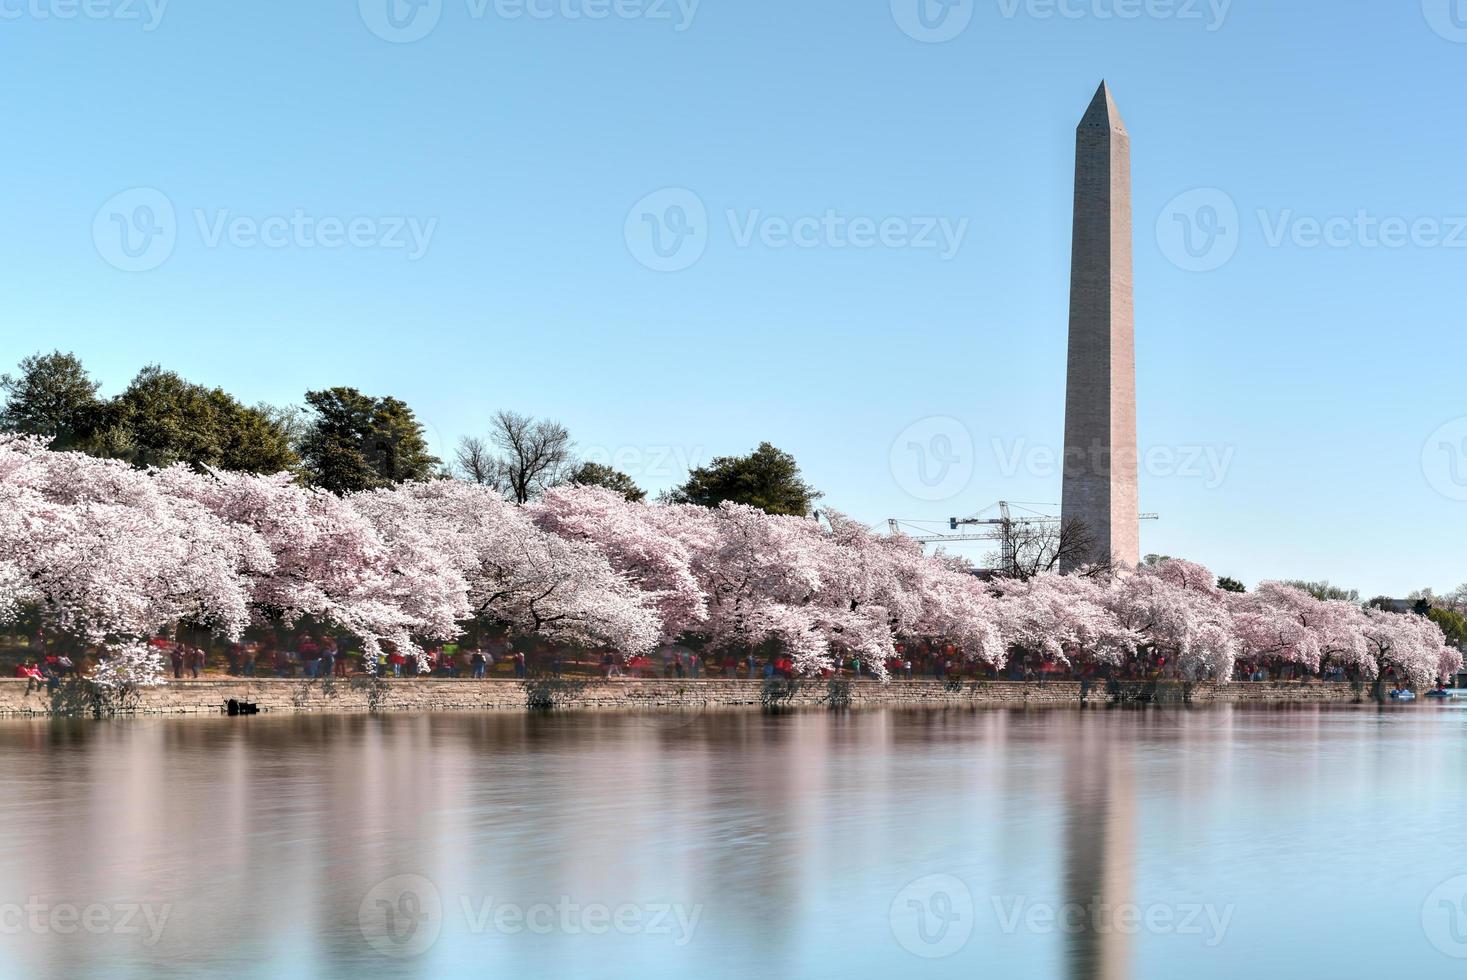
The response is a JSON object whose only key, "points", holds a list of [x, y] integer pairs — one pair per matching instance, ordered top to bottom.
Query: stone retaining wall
{"points": [[18, 697]]}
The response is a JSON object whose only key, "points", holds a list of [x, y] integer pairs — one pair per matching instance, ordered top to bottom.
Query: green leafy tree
{"points": [[51, 395], [162, 419], [357, 442], [598, 475], [767, 478], [1231, 585], [1324, 591], [1453, 624]]}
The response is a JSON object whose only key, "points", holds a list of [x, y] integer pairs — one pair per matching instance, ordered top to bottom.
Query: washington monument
{"points": [[1100, 396]]}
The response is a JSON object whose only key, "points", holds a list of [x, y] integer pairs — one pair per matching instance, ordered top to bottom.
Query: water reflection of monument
{"points": [[1099, 851]]}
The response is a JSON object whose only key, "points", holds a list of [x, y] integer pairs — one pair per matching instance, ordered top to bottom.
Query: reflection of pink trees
{"points": [[113, 555]]}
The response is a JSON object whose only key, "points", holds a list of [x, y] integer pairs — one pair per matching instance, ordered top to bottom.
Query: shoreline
{"points": [[363, 694]]}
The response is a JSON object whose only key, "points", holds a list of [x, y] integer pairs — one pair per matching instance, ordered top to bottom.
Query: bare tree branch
{"points": [[535, 454], [476, 463], [1030, 549]]}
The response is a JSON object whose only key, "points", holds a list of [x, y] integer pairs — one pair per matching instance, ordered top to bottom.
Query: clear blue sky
{"points": [[519, 145]]}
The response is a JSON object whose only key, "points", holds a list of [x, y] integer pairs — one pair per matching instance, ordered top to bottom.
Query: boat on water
{"points": [[1403, 695]]}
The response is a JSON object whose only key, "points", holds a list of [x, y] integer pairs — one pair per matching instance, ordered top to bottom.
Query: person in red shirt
{"points": [[29, 670]]}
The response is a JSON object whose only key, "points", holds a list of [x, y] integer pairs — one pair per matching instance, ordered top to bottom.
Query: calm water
{"points": [[1219, 842]]}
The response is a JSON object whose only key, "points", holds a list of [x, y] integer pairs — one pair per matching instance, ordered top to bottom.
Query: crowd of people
{"points": [[311, 655], [50, 668]]}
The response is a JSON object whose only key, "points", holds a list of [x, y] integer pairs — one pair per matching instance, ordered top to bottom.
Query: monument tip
{"points": [[1103, 111]]}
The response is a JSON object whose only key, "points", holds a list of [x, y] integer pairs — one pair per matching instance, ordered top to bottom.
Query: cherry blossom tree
{"points": [[638, 546], [101, 549], [113, 554], [330, 563], [506, 570], [761, 574], [955, 609], [1178, 613], [1066, 619], [1287, 624], [1410, 647], [125, 666]]}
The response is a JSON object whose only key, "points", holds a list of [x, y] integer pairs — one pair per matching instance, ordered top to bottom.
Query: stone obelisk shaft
{"points": [[1100, 399]]}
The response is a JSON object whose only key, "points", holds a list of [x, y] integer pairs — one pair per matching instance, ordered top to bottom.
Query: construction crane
{"points": [[1005, 519], [1001, 526]]}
